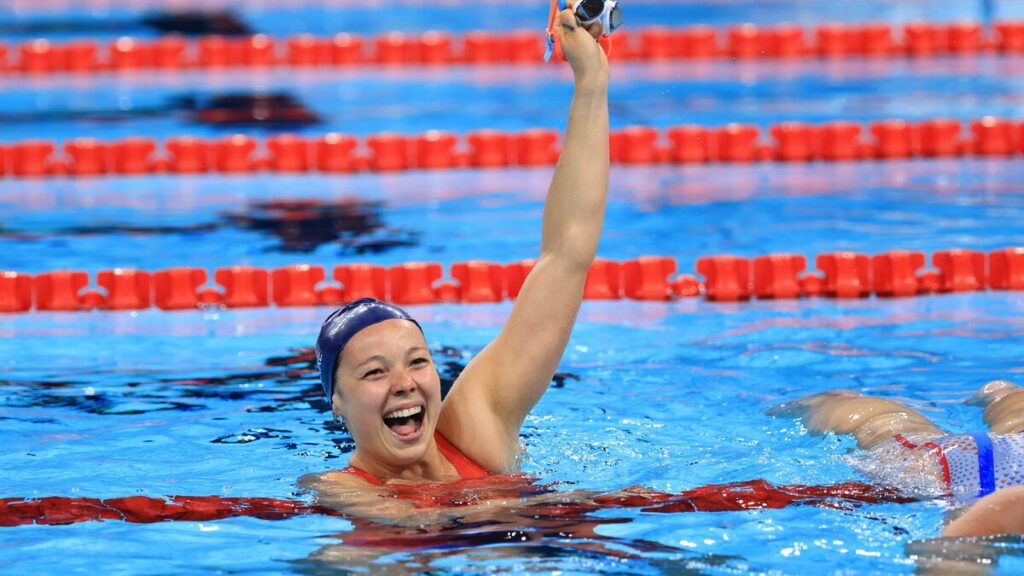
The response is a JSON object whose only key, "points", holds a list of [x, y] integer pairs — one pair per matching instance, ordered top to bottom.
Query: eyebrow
{"points": [[380, 358]]}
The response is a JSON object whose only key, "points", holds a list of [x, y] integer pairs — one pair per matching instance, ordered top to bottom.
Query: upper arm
{"points": [[488, 403]]}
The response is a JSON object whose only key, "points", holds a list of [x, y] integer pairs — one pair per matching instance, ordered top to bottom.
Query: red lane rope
{"points": [[742, 41], [388, 152], [723, 279], [754, 494], [142, 509]]}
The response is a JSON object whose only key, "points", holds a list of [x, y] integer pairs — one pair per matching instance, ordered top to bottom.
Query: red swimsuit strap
{"points": [[464, 466], [467, 468]]}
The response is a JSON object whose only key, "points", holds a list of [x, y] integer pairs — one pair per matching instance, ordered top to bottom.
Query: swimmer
{"points": [[378, 373], [908, 450]]}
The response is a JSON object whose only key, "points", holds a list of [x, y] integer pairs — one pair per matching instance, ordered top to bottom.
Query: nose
{"points": [[402, 384]]}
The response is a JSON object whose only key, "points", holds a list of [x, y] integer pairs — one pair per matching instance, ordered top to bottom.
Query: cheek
{"points": [[432, 385], [358, 400], [362, 416]]}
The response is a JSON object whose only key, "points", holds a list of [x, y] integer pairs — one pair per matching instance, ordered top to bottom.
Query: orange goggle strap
{"points": [[556, 5]]}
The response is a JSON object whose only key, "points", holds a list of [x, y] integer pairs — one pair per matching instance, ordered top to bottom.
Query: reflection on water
{"points": [[515, 524], [534, 542], [964, 554]]}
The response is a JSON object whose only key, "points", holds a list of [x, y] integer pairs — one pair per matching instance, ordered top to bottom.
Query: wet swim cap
{"points": [[342, 325]]}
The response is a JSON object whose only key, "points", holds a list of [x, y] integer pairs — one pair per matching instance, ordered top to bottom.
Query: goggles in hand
{"points": [[587, 11], [605, 11]]}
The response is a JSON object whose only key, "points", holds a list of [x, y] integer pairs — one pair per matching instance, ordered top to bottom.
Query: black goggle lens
{"points": [[589, 9]]}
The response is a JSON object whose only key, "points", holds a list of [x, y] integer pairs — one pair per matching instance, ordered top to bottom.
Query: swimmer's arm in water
{"points": [[486, 408], [355, 498], [1001, 512]]}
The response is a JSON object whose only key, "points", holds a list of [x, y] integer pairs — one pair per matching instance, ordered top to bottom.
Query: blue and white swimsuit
{"points": [[975, 464]]}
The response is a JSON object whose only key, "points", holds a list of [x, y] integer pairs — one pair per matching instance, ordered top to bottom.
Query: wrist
{"points": [[591, 82]]}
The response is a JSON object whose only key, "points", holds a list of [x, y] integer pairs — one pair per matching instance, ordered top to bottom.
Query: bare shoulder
{"points": [[335, 480]]}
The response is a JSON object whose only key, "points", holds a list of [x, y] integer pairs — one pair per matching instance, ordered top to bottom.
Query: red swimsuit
{"points": [[466, 468], [475, 485]]}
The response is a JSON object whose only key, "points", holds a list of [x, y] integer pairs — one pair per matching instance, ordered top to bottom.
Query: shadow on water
{"points": [[185, 22], [198, 23], [269, 111], [299, 225], [305, 225], [284, 383]]}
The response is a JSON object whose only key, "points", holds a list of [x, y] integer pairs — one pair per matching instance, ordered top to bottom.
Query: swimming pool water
{"points": [[413, 100], [685, 212], [665, 395], [668, 396]]}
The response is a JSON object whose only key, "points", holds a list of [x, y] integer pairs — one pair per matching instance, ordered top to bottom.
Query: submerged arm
{"points": [[496, 391], [870, 419], [1001, 512]]}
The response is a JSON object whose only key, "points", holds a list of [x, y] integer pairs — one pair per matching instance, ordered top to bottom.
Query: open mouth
{"points": [[405, 422]]}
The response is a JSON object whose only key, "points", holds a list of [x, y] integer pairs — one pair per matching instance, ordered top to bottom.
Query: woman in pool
{"points": [[378, 373], [907, 450]]}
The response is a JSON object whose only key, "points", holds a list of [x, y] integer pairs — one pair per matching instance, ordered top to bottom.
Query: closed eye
{"points": [[420, 361], [372, 373]]}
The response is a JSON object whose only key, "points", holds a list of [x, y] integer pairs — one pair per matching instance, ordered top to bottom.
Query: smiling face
{"points": [[389, 393]]}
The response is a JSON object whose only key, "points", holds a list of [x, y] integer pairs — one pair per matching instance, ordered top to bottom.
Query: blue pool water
{"points": [[414, 100], [684, 212], [665, 395]]}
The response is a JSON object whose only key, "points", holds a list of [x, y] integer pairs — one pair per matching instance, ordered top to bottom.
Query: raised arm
{"points": [[486, 408]]}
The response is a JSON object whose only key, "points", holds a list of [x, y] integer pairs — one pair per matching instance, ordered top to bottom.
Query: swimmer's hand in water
{"points": [[579, 44]]}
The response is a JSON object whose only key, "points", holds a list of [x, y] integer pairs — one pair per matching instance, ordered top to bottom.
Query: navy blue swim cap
{"points": [[342, 325]]}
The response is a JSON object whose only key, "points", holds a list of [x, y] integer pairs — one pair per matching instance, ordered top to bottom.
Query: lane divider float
{"points": [[919, 39], [335, 153], [722, 278], [735, 496]]}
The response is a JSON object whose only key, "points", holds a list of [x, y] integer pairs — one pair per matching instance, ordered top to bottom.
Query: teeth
{"points": [[405, 413]]}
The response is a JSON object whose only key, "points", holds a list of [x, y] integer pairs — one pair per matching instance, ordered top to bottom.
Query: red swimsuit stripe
{"points": [[902, 440], [940, 455], [943, 463]]}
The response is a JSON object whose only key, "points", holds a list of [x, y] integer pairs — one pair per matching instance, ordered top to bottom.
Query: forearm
{"points": [[574, 211]]}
